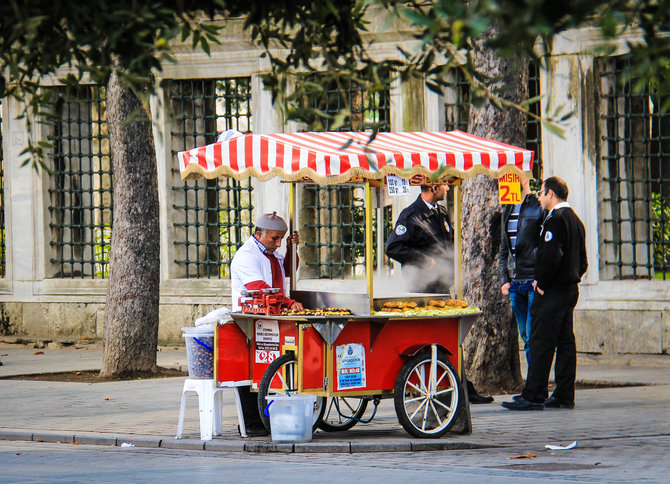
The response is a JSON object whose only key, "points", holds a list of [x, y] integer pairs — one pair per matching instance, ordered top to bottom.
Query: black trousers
{"points": [[552, 332], [249, 401]]}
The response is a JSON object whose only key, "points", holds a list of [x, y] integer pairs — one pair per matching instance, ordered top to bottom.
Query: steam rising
{"points": [[436, 276]]}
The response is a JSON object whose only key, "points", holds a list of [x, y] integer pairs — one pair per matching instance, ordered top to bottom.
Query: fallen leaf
{"points": [[83, 337], [38, 353], [7, 354], [172, 363], [77, 372], [108, 398], [38, 440], [74, 443], [527, 455], [597, 463]]}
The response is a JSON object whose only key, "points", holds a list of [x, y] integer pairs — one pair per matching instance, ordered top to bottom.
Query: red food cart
{"points": [[349, 360]]}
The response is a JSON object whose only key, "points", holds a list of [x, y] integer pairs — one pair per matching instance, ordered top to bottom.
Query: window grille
{"points": [[457, 103], [634, 181], [80, 192], [213, 218], [335, 241], [3, 257]]}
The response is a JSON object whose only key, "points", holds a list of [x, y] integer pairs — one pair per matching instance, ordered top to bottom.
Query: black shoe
{"points": [[516, 397], [477, 398], [553, 402], [523, 404], [255, 431]]}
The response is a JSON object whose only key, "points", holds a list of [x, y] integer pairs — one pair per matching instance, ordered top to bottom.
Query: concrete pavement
{"points": [[145, 412]]}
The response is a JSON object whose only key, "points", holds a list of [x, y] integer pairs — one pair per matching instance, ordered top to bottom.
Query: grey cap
{"points": [[271, 221]]}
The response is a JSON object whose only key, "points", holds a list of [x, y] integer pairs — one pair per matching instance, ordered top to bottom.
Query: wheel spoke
{"points": [[421, 375], [421, 391], [442, 392], [411, 400], [351, 409], [450, 409], [425, 415], [437, 415], [411, 417]]}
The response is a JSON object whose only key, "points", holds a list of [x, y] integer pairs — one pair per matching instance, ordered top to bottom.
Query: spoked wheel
{"points": [[281, 378], [427, 396], [342, 413]]}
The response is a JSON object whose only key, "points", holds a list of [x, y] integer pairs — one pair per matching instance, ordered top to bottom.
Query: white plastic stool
{"points": [[210, 402]]}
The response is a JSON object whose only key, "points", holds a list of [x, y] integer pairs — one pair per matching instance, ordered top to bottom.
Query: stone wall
{"points": [[85, 320]]}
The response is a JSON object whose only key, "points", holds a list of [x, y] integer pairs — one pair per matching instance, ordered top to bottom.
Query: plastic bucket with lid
{"points": [[199, 352], [291, 417]]}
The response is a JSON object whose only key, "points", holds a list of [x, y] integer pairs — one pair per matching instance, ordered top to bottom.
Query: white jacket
{"points": [[248, 265]]}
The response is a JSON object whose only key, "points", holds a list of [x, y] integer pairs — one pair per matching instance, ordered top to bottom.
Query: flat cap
{"points": [[271, 221]]}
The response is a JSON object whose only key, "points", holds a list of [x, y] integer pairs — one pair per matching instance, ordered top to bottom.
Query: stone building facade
{"points": [[57, 225]]}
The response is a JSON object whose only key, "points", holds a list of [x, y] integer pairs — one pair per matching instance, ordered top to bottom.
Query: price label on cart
{"points": [[397, 186], [509, 189], [267, 341], [350, 366]]}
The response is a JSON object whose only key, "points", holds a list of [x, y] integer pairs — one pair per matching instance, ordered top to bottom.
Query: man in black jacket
{"points": [[521, 224], [422, 239], [561, 262]]}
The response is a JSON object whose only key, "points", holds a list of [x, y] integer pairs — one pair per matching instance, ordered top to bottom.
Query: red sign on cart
{"points": [[267, 341]]}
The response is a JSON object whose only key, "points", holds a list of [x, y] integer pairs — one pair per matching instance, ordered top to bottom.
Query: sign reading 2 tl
{"points": [[509, 189]]}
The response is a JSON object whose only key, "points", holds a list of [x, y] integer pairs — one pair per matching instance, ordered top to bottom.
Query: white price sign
{"points": [[397, 186]]}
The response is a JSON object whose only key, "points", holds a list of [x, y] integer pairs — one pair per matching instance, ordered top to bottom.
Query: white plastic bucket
{"points": [[199, 352], [291, 417]]}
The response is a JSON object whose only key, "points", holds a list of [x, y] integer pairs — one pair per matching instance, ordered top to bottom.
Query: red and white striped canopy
{"points": [[329, 158]]}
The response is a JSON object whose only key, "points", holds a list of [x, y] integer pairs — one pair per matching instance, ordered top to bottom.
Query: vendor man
{"points": [[257, 265]]}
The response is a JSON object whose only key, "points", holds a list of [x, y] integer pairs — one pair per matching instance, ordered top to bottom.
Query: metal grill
{"points": [[457, 103], [634, 182], [80, 192], [213, 218], [335, 246], [3, 258]]}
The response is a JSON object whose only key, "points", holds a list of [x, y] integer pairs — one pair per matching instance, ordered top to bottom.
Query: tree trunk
{"points": [[131, 314], [491, 349]]}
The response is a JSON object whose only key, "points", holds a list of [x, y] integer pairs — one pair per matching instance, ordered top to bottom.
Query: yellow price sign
{"points": [[509, 189]]}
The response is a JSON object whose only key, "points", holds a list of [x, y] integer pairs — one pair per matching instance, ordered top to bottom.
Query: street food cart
{"points": [[361, 349]]}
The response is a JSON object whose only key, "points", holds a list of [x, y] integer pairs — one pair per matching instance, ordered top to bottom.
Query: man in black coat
{"points": [[423, 239], [561, 263]]}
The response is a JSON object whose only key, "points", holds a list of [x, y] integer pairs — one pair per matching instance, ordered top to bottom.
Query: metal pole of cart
{"points": [[291, 229], [369, 251]]}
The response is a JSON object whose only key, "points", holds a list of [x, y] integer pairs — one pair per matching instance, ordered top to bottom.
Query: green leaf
{"points": [[553, 128]]}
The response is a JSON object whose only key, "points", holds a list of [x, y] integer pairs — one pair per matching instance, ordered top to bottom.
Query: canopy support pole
{"points": [[291, 229], [458, 243], [369, 250]]}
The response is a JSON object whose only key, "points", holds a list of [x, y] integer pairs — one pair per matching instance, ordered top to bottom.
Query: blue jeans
{"points": [[521, 296]]}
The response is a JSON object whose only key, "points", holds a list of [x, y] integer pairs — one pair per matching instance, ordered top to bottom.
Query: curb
{"points": [[255, 447]]}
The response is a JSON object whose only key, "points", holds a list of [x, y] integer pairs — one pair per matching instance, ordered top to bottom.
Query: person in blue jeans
{"points": [[521, 224]]}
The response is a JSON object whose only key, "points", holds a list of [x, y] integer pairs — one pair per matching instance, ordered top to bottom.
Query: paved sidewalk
{"points": [[144, 412]]}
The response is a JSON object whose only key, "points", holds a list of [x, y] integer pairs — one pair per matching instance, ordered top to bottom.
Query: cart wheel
{"points": [[279, 379], [426, 402], [342, 413]]}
